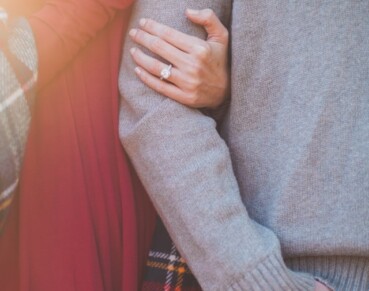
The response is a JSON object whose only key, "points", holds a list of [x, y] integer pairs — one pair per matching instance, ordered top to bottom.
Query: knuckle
{"points": [[208, 13], [148, 23], [167, 32], [137, 36], [142, 37], [155, 44], [202, 52], [134, 53], [139, 55], [157, 65], [154, 66], [195, 69], [191, 72], [143, 77], [194, 85], [193, 99]]}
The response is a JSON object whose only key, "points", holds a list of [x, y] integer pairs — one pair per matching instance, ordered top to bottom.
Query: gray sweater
{"points": [[282, 195]]}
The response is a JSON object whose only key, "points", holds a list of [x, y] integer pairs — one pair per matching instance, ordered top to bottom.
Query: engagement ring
{"points": [[165, 73]]}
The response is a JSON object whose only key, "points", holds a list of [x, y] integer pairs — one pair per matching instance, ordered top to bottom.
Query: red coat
{"points": [[80, 222]]}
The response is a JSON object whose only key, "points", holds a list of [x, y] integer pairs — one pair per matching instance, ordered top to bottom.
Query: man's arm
{"points": [[186, 168]]}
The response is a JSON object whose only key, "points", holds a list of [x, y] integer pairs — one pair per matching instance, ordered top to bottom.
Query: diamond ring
{"points": [[165, 73]]}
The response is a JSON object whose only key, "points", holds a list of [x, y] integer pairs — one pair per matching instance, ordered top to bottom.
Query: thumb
{"points": [[208, 19]]}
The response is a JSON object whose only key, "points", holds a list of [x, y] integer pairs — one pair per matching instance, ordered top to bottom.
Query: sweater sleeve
{"points": [[63, 27], [186, 168]]}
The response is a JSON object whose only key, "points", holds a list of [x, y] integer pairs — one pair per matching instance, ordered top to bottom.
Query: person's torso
{"points": [[298, 124]]}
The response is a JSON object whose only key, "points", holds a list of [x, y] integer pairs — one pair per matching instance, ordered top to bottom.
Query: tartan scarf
{"points": [[18, 75], [166, 270]]}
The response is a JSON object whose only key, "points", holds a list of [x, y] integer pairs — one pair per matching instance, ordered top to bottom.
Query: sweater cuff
{"points": [[272, 274]]}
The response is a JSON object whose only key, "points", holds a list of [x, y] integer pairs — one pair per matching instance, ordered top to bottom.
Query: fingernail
{"points": [[192, 11], [142, 21], [133, 32], [132, 50], [138, 70]]}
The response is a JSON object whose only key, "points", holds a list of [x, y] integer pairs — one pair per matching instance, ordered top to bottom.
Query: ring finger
{"points": [[155, 67]]}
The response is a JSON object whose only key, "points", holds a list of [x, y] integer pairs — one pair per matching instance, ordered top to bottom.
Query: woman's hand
{"points": [[199, 76], [320, 287]]}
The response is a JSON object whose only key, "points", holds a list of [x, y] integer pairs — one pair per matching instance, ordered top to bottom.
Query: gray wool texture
{"points": [[281, 197]]}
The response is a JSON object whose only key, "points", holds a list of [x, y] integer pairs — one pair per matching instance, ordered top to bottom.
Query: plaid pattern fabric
{"points": [[18, 75], [166, 270]]}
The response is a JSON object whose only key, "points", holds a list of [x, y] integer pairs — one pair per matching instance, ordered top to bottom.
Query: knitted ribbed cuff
{"points": [[340, 273], [272, 274]]}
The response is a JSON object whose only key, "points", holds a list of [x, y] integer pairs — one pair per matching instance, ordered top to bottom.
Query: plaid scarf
{"points": [[18, 75], [166, 270]]}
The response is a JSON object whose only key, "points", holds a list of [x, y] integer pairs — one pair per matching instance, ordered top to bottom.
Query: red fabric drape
{"points": [[63, 27], [81, 220]]}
